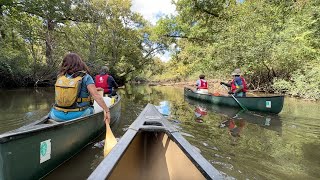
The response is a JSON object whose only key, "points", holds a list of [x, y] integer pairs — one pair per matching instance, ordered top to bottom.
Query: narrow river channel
{"points": [[242, 145]]}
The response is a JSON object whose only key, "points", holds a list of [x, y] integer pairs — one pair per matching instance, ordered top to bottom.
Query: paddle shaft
{"points": [[242, 106], [110, 141]]}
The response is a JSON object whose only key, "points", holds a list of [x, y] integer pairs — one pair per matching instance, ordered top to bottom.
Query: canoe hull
{"points": [[268, 104], [153, 149], [34, 150]]}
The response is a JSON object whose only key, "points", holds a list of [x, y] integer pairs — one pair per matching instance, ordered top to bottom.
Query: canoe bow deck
{"points": [[267, 104], [153, 149], [34, 150]]}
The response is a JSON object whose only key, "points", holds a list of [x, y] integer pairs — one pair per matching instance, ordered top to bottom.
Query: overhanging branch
{"points": [[196, 4]]}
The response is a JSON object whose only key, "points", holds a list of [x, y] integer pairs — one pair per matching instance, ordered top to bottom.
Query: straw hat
{"points": [[236, 72]]}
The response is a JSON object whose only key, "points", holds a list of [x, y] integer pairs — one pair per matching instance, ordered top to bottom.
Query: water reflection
{"points": [[22, 106], [164, 108], [200, 112], [268, 121], [234, 128], [250, 145]]}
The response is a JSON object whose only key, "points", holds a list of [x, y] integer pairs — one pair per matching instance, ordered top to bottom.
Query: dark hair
{"points": [[72, 64], [104, 70], [202, 76]]}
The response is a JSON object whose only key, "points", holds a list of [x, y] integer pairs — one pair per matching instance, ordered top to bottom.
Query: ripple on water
{"points": [[186, 134]]}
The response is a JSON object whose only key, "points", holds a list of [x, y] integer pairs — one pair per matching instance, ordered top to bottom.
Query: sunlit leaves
{"points": [[266, 39]]}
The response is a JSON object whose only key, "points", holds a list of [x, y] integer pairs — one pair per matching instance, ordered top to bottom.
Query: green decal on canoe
{"points": [[268, 104], [45, 150]]}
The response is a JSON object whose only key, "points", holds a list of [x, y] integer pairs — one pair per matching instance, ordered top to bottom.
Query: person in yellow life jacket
{"points": [[106, 81], [202, 85], [238, 85], [75, 91]]}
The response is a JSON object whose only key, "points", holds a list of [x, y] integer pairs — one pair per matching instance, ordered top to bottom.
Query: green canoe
{"points": [[268, 104], [153, 149], [34, 150]]}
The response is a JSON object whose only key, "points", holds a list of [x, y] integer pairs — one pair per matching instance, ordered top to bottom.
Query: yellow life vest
{"points": [[67, 91]]}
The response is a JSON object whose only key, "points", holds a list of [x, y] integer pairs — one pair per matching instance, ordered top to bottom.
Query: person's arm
{"points": [[113, 82], [198, 83], [226, 84], [97, 97]]}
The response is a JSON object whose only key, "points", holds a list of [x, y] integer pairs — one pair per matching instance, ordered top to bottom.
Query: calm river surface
{"points": [[240, 145]]}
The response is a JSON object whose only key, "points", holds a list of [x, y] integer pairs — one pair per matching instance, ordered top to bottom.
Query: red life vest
{"points": [[101, 81], [203, 84], [234, 87], [201, 111], [232, 124]]}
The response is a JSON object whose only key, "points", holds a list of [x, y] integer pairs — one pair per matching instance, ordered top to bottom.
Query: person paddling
{"points": [[106, 81], [202, 85], [238, 85], [75, 91]]}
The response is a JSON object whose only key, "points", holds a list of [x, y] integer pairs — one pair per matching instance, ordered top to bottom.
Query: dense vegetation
{"points": [[35, 35], [275, 42]]}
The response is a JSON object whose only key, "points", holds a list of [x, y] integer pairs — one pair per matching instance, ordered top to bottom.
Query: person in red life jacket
{"points": [[106, 81], [202, 85], [238, 85]]}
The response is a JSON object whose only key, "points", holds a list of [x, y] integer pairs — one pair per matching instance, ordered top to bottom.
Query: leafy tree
{"points": [[102, 32], [266, 39]]}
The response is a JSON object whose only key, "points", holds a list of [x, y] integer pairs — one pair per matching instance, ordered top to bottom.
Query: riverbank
{"points": [[214, 85]]}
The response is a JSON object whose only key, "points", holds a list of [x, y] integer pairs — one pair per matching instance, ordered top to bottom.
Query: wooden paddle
{"points": [[242, 106], [110, 140]]}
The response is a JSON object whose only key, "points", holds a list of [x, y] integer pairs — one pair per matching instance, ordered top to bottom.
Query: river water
{"points": [[241, 145]]}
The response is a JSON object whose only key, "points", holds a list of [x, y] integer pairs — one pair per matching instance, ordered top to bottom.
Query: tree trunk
{"points": [[2, 34], [49, 42], [93, 45]]}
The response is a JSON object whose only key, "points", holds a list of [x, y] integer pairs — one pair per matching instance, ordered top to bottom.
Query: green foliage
{"points": [[37, 34], [267, 39], [303, 83]]}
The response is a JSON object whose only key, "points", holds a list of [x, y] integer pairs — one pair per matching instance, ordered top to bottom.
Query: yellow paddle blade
{"points": [[109, 142]]}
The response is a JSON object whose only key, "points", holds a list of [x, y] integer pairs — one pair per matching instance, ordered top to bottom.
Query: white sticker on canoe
{"points": [[268, 104], [45, 150]]}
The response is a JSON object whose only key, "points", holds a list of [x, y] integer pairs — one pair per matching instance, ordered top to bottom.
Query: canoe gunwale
{"points": [[250, 97], [39, 125], [105, 168]]}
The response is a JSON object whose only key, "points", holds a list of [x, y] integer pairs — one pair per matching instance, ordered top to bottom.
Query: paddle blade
{"points": [[109, 142]]}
